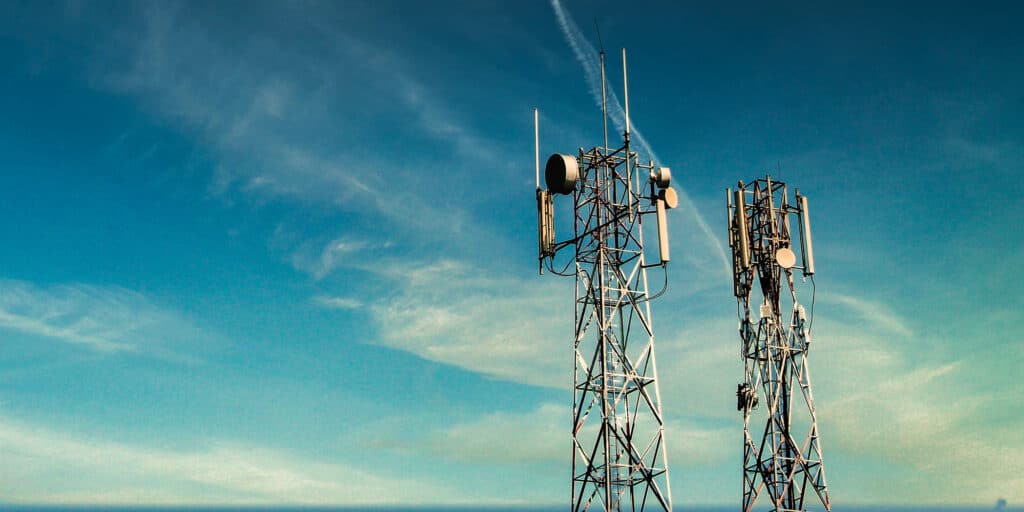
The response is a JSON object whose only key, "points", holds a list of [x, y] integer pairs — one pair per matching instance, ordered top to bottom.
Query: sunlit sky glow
{"points": [[286, 252]]}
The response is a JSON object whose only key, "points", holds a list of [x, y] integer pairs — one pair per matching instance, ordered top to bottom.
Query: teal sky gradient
{"points": [[286, 252]]}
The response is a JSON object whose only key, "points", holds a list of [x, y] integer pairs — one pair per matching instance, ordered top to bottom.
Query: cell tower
{"points": [[619, 457], [780, 459]]}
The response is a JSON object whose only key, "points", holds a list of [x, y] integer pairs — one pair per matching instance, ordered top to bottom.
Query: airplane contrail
{"points": [[586, 55]]}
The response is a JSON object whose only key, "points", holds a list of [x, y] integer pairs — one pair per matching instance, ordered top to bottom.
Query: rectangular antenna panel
{"points": [[728, 215], [545, 224], [741, 226], [663, 249], [807, 250]]}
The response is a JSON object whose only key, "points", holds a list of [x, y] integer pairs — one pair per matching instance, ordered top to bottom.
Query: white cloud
{"points": [[285, 126], [321, 261], [337, 302], [870, 312], [105, 319], [499, 326], [699, 366], [880, 395], [876, 397], [543, 436], [46, 466]]}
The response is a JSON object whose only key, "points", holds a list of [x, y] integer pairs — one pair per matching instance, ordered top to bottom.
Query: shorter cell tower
{"points": [[618, 439], [783, 457]]}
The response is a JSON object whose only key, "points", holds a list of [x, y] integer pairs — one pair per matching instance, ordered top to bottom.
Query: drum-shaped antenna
{"points": [[561, 173], [662, 177]]}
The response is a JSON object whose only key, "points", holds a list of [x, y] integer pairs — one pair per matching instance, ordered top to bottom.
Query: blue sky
{"points": [[285, 252]]}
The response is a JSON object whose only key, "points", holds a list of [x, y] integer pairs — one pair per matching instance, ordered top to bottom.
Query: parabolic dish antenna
{"points": [[670, 197], [785, 258]]}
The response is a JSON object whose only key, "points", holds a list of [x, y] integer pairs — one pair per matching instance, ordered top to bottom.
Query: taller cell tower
{"points": [[618, 439], [782, 456]]}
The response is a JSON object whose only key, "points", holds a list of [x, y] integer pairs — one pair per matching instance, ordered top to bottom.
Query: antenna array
{"points": [[774, 352], [619, 456]]}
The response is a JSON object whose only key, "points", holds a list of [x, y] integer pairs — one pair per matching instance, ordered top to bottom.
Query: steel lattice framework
{"points": [[619, 456], [782, 456], [620, 462]]}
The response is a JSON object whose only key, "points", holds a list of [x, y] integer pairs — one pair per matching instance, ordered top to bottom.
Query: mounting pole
{"points": [[625, 92], [604, 103], [536, 145]]}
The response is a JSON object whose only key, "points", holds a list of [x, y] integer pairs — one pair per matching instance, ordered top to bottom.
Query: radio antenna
{"points": [[625, 93], [604, 95], [536, 146]]}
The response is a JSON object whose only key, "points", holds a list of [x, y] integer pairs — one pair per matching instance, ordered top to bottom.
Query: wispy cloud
{"points": [[253, 112], [441, 124], [284, 126], [319, 260], [337, 302], [871, 312], [455, 313], [104, 319], [699, 365], [870, 369], [928, 420], [540, 435], [543, 436], [110, 472]]}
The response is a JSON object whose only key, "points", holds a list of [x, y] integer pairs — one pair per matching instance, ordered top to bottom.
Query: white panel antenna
{"points": [[806, 250]]}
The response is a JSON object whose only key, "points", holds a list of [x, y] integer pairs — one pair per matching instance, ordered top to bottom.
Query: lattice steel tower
{"points": [[783, 454], [619, 457]]}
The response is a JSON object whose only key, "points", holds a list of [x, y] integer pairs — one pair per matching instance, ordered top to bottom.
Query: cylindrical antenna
{"points": [[625, 91], [604, 97], [536, 145], [784, 213], [728, 215], [741, 226], [545, 227], [805, 236]]}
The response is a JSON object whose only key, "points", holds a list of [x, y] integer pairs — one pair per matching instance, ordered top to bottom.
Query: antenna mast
{"points": [[604, 95], [782, 455], [619, 456]]}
